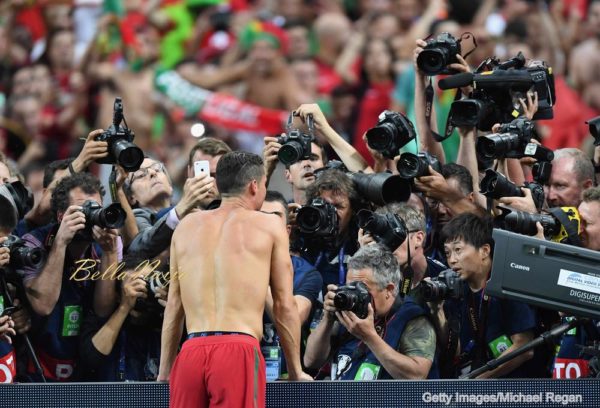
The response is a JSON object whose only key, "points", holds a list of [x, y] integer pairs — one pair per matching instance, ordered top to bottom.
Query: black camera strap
{"points": [[428, 109], [112, 185], [407, 273], [478, 323]]}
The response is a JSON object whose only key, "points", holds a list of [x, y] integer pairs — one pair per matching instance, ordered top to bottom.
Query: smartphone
{"points": [[201, 167], [9, 310]]}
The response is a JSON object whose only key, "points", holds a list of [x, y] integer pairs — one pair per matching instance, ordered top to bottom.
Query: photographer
{"points": [[572, 172], [300, 174], [335, 188], [149, 191], [307, 288], [61, 289], [489, 327], [395, 340], [124, 347]]}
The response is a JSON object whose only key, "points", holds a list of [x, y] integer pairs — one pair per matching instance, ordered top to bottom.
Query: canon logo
{"points": [[517, 266]]}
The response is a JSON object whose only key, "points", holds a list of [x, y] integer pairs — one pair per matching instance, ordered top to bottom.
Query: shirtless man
{"points": [[220, 285]]}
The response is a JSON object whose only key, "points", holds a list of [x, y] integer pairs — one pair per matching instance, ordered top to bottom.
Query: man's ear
{"points": [[288, 176], [253, 186], [471, 197], [59, 216], [419, 237], [485, 251]]}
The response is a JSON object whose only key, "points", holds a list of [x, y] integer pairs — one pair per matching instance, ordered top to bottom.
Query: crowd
{"points": [[381, 205]]}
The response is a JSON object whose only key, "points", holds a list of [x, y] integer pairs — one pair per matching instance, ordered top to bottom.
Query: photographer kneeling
{"points": [[383, 337]]}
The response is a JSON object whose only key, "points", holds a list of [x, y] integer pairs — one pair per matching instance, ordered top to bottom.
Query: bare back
{"points": [[224, 264]]}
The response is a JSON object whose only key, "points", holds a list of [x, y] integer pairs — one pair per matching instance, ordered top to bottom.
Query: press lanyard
{"points": [[341, 270]]}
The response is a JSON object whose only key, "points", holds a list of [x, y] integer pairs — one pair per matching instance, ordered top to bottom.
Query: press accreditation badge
{"points": [[71, 321], [499, 345], [367, 372]]}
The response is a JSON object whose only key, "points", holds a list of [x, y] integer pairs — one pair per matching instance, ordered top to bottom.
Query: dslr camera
{"points": [[439, 52], [390, 134], [512, 141], [295, 145], [121, 149], [411, 165], [495, 185], [111, 216], [318, 223], [560, 224], [386, 229], [22, 256], [447, 285], [354, 297]]}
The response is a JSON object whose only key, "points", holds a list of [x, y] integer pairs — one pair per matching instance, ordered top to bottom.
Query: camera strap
{"points": [[428, 109], [112, 184], [572, 230], [408, 273], [478, 322]]}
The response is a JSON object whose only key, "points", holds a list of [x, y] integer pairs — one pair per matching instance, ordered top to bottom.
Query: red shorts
{"points": [[219, 371]]}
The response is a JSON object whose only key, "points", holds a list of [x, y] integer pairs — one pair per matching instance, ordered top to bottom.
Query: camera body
{"points": [[438, 53], [392, 131], [295, 146], [121, 149], [411, 165], [495, 185], [111, 216], [318, 223], [386, 229], [22, 256], [447, 285], [354, 297]]}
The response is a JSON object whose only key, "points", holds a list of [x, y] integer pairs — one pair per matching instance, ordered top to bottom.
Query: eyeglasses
{"points": [[142, 172]]}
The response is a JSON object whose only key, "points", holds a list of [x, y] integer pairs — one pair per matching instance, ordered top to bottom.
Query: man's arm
{"points": [[152, 238], [43, 290], [105, 292], [285, 310], [172, 321], [518, 340], [318, 345]]}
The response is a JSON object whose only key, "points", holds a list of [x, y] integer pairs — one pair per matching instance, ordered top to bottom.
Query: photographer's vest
{"points": [[55, 337], [355, 361]]}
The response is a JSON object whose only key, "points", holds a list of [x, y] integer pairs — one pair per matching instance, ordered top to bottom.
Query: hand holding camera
{"points": [[92, 150], [270, 152], [72, 222], [106, 238], [4, 253], [134, 287], [7, 328]]}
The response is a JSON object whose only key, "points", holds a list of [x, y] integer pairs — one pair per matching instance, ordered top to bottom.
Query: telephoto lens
{"points": [[495, 185]]}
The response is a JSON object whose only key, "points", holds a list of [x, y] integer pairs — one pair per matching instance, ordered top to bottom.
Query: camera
{"points": [[438, 53], [498, 89], [594, 126], [392, 131], [512, 141], [296, 145], [121, 149], [411, 165], [495, 185], [19, 196], [111, 216], [318, 222], [560, 224], [386, 229], [22, 256], [447, 285], [354, 297]]}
